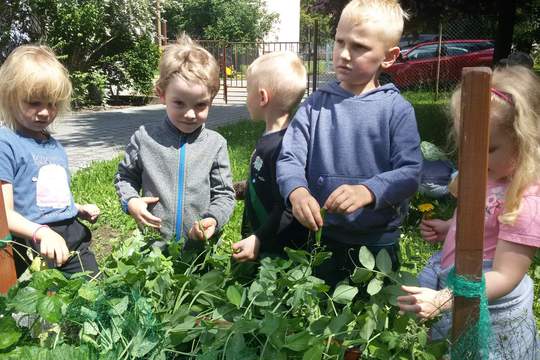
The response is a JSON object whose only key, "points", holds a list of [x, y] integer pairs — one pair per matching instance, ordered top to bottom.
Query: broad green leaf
{"points": [[298, 256], [366, 258], [384, 263], [361, 275], [46, 279], [374, 286], [89, 292], [391, 293], [234, 294], [344, 294], [26, 300], [118, 306], [50, 308], [339, 322], [270, 324], [244, 326], [318, 326], [367, 328], [10, 332], [298, 342], [143, 344], [235, 346], [314, 353]]}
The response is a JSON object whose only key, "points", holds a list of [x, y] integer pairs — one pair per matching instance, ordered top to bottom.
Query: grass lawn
{"points": [[95, 185]]}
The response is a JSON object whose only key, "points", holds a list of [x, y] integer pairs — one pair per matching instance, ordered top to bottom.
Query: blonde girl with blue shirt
{"points": [[40, 209]]}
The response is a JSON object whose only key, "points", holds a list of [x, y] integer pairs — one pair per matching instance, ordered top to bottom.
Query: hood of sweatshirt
{"points": [[377, 94]]}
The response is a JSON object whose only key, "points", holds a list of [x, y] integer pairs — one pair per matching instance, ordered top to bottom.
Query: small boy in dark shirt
{"points": [[276, 83]]}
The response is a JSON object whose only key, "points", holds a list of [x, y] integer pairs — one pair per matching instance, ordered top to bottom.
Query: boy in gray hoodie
{"points": [[353, 146], [175, 176]]}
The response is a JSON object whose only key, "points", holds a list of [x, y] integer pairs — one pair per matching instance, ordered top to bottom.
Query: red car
{"points": [[418, 65]]}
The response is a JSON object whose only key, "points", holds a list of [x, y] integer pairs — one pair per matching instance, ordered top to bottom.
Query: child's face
{"points": [[358, 55], [187, 104], [35, 116], [502, 153]]}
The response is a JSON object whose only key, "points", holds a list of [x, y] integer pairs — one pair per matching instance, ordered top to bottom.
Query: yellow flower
{"points": [[229, 70], [427, 207], [426, 210]]}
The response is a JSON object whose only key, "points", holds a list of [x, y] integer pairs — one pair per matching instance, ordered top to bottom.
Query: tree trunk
{"points": [[505, 29]]}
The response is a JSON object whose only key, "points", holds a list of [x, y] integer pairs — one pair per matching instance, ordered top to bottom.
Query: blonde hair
{"points": [[386, 14], [190, 62], [32, 72], [283, 75], [519, 116]]}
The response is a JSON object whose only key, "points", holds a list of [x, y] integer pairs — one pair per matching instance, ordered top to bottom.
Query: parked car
{"points": [[408, 41], [418, 65]]}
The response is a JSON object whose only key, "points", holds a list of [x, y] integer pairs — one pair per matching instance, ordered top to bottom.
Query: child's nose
{"points": [[345, 53], [44, 111], [190, 114]]}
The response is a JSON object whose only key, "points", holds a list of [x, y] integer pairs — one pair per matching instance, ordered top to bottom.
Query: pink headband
{"points": [[503, 95]]}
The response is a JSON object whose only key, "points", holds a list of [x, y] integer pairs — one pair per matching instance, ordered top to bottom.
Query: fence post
{"points": [[164, 38], [224, 61], [315, 68], [437, 78], [473, 157], [8, 275]]}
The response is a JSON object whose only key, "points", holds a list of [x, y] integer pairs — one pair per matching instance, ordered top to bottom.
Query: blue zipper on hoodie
{"points": [[180, 196]]}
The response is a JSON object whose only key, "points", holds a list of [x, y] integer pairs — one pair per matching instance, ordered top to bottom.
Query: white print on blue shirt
{"points": [[52, 188]]}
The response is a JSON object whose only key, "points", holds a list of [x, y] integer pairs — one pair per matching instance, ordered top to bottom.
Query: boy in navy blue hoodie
{"points": [[353, 146]]}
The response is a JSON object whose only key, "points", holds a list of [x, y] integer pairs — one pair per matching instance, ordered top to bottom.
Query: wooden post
{"points": [[164, 38], [473, 160], [8, 275]]}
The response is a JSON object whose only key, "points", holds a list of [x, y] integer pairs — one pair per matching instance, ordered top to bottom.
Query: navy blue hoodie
{"points": [[339, 138]]}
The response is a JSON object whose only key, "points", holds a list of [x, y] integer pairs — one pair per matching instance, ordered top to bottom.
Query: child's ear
{"points": [[390, 57], [161, 94], [264, 97]]}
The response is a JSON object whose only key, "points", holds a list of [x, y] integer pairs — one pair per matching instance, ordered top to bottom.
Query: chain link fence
{"points": [[434, 62]]}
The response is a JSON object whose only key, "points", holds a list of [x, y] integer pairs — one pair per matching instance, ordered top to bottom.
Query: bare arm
{"points": [[52, 245], [512, 260]]}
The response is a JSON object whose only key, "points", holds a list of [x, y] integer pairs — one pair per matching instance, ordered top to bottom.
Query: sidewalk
{"points": [[93, 136]]}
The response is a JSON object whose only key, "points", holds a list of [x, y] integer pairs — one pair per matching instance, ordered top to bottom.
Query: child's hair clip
{"points": [[503, 95]]}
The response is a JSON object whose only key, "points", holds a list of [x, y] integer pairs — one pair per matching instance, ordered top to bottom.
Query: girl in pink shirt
{"points": [[512, 223]]}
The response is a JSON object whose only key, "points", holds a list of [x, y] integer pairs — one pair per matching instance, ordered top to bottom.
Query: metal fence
{"points": [[235, 57]]}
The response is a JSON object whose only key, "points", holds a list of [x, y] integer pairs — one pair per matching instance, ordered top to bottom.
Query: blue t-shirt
{"points": [[38, 171]]}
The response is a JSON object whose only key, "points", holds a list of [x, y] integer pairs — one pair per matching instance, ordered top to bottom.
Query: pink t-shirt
{"points": [[525, 230]]}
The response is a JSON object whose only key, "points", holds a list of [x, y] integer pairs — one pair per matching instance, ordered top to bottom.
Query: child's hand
{"points": [[347, 199], [138, 208], [306, 209], [89, 212], [203, 229], [435, 230], [52, 245], [246, 249], [424, 302]]}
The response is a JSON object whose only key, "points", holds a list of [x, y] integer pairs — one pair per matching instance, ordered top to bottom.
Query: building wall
{"points": [[287, 27]]}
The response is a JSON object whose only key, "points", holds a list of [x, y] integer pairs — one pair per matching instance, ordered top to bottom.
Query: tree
{"points": [[241, 20], [100, 42]]}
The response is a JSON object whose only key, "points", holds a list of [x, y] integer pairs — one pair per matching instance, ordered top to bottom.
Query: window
{"points": [[423, 52]]}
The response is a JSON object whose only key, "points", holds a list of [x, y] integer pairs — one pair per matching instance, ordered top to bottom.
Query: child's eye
{"points": [[34, 103], [179, 103], [201, 106]]}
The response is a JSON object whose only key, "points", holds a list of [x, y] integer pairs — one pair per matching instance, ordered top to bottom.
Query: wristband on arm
{"points": [[34, 239]]}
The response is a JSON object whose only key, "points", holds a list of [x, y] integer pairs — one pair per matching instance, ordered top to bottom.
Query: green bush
{"points": [[89, 88]]}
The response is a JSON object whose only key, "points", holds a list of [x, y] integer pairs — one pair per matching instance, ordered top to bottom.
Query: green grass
{"points": [[95, 185]]}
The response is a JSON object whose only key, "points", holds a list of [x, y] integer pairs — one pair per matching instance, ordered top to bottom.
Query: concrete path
{"points": [[93, 136]]}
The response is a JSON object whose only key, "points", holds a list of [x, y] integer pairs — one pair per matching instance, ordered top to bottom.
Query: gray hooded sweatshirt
{"points": [[190, 173]]}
